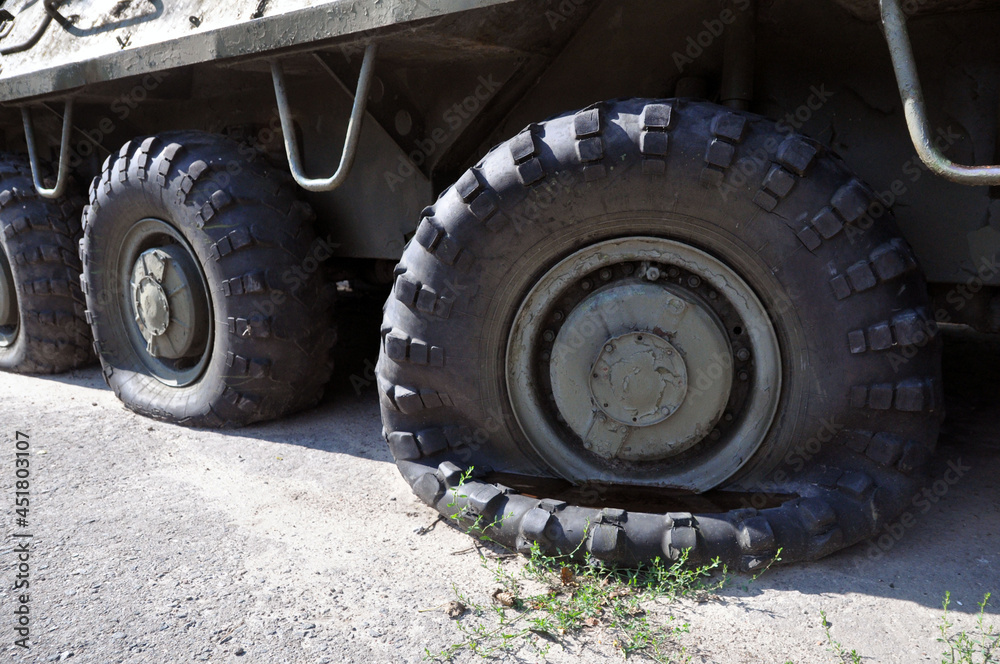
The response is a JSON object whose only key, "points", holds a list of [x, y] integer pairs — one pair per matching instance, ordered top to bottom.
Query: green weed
{"points": [[576, 597], [979, 647], [841, 653]]}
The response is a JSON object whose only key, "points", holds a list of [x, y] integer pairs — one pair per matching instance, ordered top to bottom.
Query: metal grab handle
{"points": [[51, 11], [894, 24], [353, 126], [62, 179]]}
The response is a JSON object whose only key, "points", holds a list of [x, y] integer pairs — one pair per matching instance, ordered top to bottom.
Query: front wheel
{"points": [[664, 295]]}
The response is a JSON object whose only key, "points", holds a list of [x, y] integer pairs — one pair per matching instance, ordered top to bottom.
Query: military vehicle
{"points": [[664, 277]]}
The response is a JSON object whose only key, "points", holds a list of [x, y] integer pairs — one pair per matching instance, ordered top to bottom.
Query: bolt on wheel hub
{"points": [[164, 302], [639, 379]]}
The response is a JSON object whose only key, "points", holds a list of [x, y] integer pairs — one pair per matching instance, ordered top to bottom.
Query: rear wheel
{"points": [[203, 283], [672, 295], [42, 325]]}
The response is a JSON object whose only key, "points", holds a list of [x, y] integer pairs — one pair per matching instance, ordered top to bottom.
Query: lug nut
{"points": [[673, 272], [653, 273], [605, 274], [694, 282], [586, 285], [557, 316], [549, 335], [609, 348], [743, 354], [744, 375]]}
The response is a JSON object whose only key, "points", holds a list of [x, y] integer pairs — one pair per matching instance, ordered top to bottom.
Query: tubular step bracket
{"points": [[894, 25], [353, 126], [62, 178]]}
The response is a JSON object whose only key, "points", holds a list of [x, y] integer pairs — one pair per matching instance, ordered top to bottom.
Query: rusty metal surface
{"points": [[95, 45]]}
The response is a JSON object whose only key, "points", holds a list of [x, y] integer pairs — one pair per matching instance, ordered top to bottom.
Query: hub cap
{"points": [[8, 304], [165, 305], [643, 361], [639, 379]]}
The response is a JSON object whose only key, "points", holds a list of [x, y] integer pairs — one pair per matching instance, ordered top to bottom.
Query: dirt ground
{"points": [[297, 541]]}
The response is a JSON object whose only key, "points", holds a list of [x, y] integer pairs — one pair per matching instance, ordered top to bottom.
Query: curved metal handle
{"points": [[51, 11], [894, 24], [353, 126], [62, 179]]}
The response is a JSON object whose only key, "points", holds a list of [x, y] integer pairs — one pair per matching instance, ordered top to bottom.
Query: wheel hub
{"points": [[164, 302], [152, 307], [643, 361], [639, 379], [637, 404]]}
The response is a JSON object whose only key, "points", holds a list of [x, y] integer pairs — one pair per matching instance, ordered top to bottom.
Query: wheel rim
{"points": [[165, 305], [9, 317], [643, 361]]}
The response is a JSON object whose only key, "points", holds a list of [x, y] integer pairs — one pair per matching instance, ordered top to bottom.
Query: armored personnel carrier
{"points": [[639, 252]]}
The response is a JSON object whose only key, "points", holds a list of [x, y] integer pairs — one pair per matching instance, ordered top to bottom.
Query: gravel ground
{"points": [[297, 541]]}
